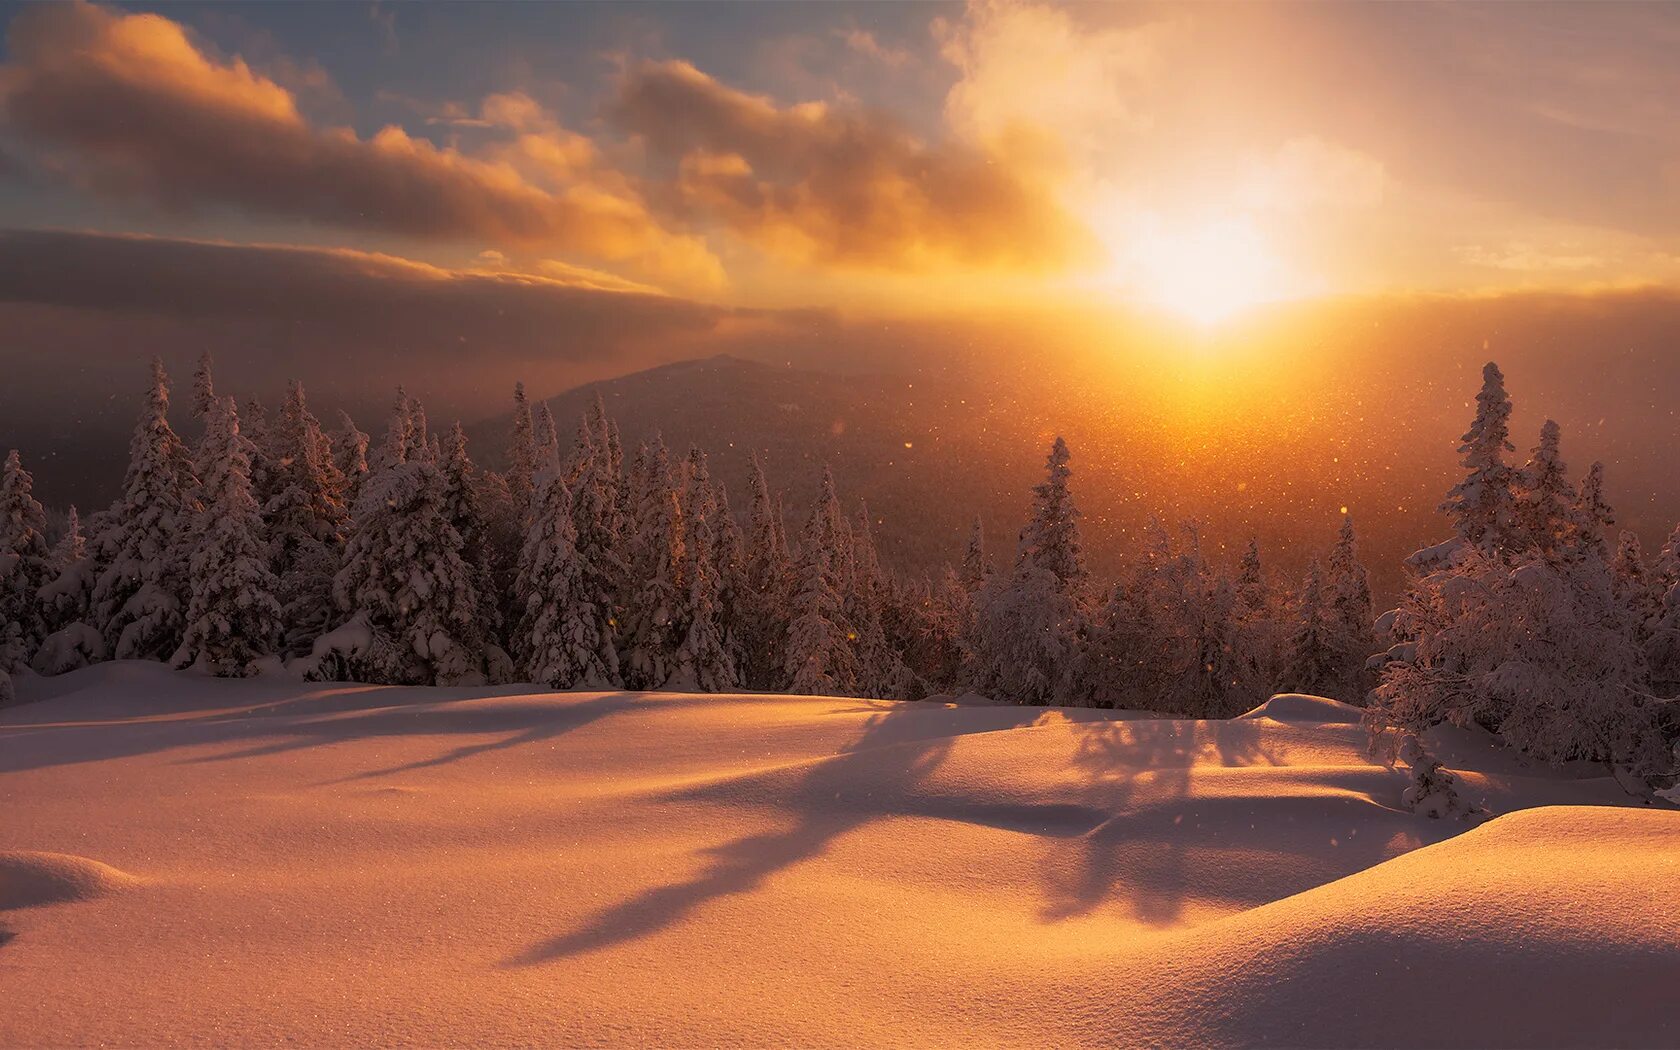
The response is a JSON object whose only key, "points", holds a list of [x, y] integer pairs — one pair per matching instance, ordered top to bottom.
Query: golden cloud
{"points": [[133, 106], [813, 183]]}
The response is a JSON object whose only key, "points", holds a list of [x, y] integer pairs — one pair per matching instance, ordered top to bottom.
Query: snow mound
{"points": [[1307, 710], [30, 879], [1556, 926]]}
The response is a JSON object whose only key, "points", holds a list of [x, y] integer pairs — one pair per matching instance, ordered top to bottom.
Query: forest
{"points": [[273, 546]]}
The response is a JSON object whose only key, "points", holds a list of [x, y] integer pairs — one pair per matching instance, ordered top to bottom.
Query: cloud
{"points": [[133, 106], [820, 184], [83, 312]]}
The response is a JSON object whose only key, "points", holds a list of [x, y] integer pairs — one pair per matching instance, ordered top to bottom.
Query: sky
{"points": [[1192, 158], [456, 196]]}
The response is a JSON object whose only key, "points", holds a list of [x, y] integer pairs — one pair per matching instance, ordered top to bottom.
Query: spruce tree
{"points": [[204, 388], [349, 454], [522, 458], [1482, 507], [1546, 507], [1593, 517], [307, 521], [72, 545], [26, 565], [975, 567], [765, 591], [139, 598], [412, 611], [1351, 613], [233, 616], [1030, 622], [648, 628], [563, 638], [820, 658], [702, 661], [1314, 664]]}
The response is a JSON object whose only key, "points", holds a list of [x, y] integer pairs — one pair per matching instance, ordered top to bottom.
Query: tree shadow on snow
{"points": [[1142, 773], [877, 775]]}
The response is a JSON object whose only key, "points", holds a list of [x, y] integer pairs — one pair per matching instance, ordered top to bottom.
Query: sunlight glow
{"points": [[1208, 270]]}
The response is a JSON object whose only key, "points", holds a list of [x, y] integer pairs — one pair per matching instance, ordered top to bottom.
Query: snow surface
{"points": [[188, 861]]}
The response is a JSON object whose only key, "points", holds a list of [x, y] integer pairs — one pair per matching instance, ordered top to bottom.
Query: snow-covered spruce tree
{"points": [[204, 387], [253, 423], [547, 449], [349, 455], [522, 458], [594, 490], [1546, 504], [1482, 507], [463, 508], [1593, 516], [307, 522], [72, 543], [730, 558], [26, 565], [976, 567], [1635, 589], [139, 597], [66, 601], [411, 612], [1351, 614], [233, 616], [761, 622], [1029, 622], [648, 630], [1662, 631], [1166, 636], [564, 637], [1261, 637], [1537, 652], [820, 658], [702, 661], [1315, 663], [882, 670]]}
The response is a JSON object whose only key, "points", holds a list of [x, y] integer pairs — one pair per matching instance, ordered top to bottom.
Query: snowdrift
{"points": [[332, 864]]}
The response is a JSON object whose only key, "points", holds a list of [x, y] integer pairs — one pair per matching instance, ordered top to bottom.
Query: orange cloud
{"points": [[134, 107], [819, 184]]}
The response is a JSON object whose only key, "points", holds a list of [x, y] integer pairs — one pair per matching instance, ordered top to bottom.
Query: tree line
{"points": [[276, 546]]}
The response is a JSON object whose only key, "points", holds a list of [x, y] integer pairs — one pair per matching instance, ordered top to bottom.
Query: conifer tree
{"points": [[204, 388], [547, 440], [349, 455], [522, 457], [1482, 506], [1546, 507], [463, 508], [1593, 517], [307, 521], [72, 545], [26, 565], [975, 566], [1634, 588], [139, 598], [412, 612], [1351, 613], [233, 616], [1029, 623], [762, 625], [648, 629], [564, 638], [1260, 641], [820, 658], [701, 662], [1314, 663], [881, 667]]}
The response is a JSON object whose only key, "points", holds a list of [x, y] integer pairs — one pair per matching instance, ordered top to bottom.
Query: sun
{"points": [[1206, 271]]}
